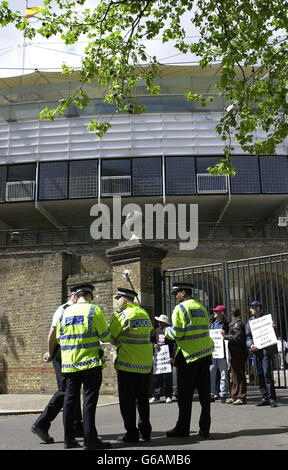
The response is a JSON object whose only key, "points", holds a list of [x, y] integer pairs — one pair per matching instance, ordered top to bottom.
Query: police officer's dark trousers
{"points": [[190, 376], [91, 380], [133, 390], [56, 402]]}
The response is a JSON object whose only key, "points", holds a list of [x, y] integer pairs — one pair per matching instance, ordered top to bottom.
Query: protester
{"points": [[238, 354], [263, 360], [221, 363]]}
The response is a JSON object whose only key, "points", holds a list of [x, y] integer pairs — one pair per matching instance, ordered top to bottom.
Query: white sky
{"points": [[42, 54]]}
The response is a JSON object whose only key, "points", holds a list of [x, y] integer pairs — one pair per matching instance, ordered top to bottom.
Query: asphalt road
{"points": [[233, 428]]}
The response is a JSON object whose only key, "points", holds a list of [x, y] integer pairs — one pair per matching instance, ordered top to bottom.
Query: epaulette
{"points": [[119, 310]]}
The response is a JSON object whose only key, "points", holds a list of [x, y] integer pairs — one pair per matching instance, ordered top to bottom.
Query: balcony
{"points": [[208, 184], [116, 185], [20, 191]]}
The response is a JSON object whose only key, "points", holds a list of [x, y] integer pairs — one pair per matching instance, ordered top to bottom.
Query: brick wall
{"points": [[34, 283], [32, 289]]}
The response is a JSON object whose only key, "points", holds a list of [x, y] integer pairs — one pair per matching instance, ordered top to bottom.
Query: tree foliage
{"points": [[247, 38]]}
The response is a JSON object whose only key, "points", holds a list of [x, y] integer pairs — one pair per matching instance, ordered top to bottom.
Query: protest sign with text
{"points": [[263, 332], [218, 343], [162, 363]]}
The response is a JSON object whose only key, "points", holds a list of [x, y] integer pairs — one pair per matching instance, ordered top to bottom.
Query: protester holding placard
{"points": [[262, 351], [219, 361], [162, 374]]}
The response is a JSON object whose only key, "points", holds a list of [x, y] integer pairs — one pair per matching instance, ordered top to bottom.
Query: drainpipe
{"points": [[224, 208]]}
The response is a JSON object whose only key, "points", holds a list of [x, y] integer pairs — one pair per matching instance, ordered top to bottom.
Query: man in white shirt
{"points": [[43, 422]]}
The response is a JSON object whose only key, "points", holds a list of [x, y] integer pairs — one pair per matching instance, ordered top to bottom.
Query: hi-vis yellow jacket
{"points": [[130, 328], [190, 330], [79, 331]]}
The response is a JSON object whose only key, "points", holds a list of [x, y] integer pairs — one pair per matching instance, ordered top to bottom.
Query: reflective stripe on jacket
{"points": [[130, 328], [190, 330], [79, 331]]}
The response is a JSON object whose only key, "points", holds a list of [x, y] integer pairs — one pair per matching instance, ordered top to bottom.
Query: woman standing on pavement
{"points": [[237, 347]]}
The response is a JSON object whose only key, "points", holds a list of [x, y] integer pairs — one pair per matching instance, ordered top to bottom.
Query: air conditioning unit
{"points": [[208, 184], [116, 185], [20, 191], [282, 221]]}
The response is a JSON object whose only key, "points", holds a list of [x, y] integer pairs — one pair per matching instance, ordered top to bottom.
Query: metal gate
{"points": [[236, 284]]}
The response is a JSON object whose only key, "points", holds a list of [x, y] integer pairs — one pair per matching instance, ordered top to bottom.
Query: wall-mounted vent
{"points": [[208, 184], [112, 185], [20, 191]]}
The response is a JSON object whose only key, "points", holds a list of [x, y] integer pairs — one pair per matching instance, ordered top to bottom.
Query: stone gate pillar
{"points": [[142, 260]]}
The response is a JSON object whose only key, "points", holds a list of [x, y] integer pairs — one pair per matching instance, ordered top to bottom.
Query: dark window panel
{"points": [[202, 163], [116, 167], [21, 172], [274, 174], [180, 175], [147, 176], [3, 179], [83, 179], [53, 180], [247, 180]]}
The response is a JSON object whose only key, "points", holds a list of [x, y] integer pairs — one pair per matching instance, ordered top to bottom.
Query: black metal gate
{"points": [[236, 284]]}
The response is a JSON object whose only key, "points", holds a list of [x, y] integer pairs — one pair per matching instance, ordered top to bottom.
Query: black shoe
{"points": [[212, 399], [223, 399], [263, 403], [273, 404], [177, 433], [204, 433], [43, 435], [127, 438], [145, 438], [72, 445], [98, 445]]}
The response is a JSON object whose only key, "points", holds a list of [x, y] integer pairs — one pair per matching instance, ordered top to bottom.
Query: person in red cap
{"points": [[220, 364]]}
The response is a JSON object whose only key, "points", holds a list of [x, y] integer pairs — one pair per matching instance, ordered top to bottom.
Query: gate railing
{"points": [[236, 284]]}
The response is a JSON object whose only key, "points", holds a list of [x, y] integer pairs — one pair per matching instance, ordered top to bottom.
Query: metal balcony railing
{"points": [[208, 184], [112, 185], [20, 191]]}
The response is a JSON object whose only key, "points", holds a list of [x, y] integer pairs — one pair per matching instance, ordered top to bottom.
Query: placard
{"points": [[263, 332], [218, 343], [161, 364]]}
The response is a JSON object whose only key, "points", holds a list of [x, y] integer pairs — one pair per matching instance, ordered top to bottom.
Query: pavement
{"points": [[30, 403], [246, 427]]}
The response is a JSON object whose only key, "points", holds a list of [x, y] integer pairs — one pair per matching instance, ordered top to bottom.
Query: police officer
{"points": [[130, 328], [189, 329], [79, 331], [53, 408]]}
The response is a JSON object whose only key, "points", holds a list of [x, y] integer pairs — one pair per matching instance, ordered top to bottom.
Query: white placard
{"points": [[263, 332], [218, 343], [161, 364]]}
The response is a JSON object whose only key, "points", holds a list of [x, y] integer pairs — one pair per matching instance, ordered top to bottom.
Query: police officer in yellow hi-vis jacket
{"points": [[130, 328], [190, 330], [79, 331]]}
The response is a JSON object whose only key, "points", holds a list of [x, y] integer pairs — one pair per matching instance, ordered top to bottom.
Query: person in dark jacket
{"points": [[236, 337], [263, 359], [219, 364], [163, 381]]}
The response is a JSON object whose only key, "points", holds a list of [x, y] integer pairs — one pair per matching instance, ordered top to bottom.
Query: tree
{"points": [[247, 38]]}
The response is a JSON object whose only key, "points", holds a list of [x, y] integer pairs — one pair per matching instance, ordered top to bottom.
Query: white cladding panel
{"points": [[129, 136]]}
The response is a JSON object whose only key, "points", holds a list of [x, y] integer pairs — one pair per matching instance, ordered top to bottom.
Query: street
{"points": [[233, 428]]}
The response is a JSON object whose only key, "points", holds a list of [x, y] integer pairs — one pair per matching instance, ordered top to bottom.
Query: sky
{"points": [[17, 58]]}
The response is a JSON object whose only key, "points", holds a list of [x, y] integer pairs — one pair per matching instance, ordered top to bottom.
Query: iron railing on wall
{"points": [[81, 234]]}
